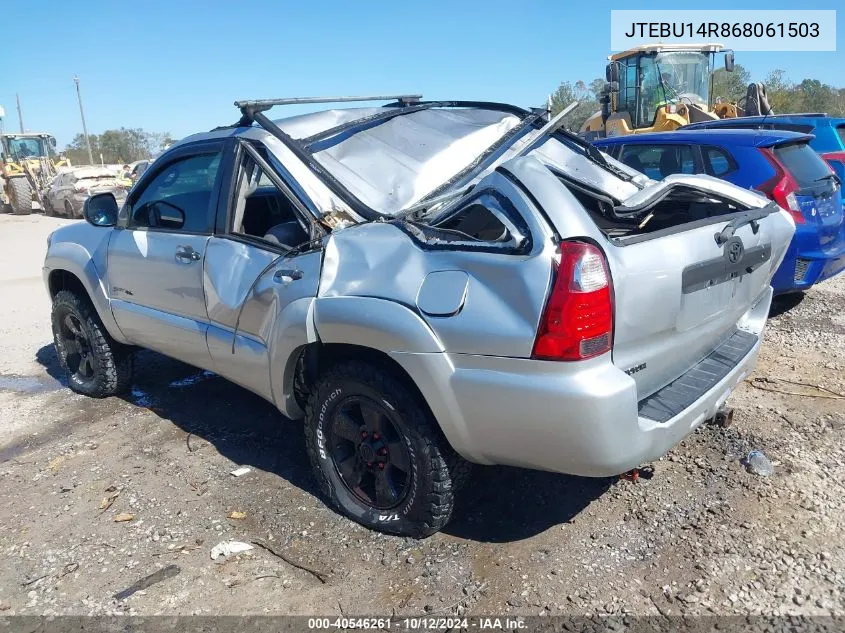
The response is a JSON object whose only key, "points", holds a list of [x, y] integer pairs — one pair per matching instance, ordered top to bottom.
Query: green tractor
{"points": [[27, 165]]}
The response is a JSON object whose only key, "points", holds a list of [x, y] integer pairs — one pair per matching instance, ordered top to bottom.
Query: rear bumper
{"points": [[806, 264], [576, 418]]}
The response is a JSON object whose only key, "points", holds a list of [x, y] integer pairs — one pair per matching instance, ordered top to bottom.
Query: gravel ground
{"points": [[700, 535]]}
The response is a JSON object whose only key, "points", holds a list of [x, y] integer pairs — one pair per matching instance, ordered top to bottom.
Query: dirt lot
{"points": [[701, 536]]}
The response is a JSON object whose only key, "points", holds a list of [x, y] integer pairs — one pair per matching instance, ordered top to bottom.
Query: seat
{"points": [[634, 162], [669, 163], [287, 234]]}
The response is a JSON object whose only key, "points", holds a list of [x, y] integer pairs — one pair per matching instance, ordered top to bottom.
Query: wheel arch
{"points": [[66, 275], [383, 332], [314, 359]]}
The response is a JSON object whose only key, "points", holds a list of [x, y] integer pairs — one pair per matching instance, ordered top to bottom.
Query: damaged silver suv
{"points": [[427, 284]]}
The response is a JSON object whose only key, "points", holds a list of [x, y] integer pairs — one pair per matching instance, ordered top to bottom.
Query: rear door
{"points": [[818, 195], [155, 260], [261, 276], [680, 293]]}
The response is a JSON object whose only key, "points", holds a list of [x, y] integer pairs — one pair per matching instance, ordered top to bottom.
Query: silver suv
{"points": [[427, 284]]}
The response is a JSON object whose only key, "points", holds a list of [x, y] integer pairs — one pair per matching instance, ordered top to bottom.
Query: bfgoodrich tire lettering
{"points": [[95, 364], [424, 504]]}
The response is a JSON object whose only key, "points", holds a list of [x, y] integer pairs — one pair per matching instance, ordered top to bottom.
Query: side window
{"points": [[651, 96], [659, 161], [718, 162], [178, 198], [262, 211]]}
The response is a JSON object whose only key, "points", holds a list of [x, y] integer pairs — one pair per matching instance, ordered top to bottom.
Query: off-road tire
{"points": [[20, 196], [112, 362], [435, 467]]}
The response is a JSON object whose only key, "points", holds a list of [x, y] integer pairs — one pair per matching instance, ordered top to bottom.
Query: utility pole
{"points": [[20, 116], [84, 128]]}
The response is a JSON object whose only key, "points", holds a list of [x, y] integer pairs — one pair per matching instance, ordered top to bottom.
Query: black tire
{"points": [[20, 196], [49, 211], [69, 212], [96, 365], [423, 495]]}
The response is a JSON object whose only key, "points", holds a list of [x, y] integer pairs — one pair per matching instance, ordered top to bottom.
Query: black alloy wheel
{"points": [[77, 354], [369, 453]]}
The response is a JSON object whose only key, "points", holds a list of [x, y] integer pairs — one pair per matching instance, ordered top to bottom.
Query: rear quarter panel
{"points": [[498, 314]]}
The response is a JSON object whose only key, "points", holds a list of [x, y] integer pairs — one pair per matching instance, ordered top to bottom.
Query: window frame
{"points": [[178, 154], [697, 160], [733, 166], [303, 207]]}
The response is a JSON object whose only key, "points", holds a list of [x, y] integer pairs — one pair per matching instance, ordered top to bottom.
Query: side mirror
{"points": [[729, 61], [611, 73], [612, 87], [52, 142], [101, 209]]}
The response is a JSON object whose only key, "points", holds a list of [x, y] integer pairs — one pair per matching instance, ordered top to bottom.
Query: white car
{"points": [[70, 188]]}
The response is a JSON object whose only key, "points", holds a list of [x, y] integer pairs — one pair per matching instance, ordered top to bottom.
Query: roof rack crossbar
{"points": [[259, 105]]}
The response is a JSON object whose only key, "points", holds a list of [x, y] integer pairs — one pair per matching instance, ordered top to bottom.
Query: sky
{"points": [[177, 66]]}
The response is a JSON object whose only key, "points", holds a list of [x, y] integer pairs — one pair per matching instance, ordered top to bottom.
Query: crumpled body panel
{"points": [[502, 302]]}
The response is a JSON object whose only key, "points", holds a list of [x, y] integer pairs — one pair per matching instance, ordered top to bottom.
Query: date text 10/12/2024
{"points": [[417, 623]]}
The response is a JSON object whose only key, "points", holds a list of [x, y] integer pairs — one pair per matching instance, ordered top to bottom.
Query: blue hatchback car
{"points": [[828, 132], [779, 164]]}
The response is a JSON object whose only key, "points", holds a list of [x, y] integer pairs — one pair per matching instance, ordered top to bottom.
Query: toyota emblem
{"points": [[734, 250]]}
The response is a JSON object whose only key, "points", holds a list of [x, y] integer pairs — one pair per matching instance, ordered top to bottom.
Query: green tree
{"points": [[730, 86], [781, 93], [585, 95], [817, 97], [124, 145]]}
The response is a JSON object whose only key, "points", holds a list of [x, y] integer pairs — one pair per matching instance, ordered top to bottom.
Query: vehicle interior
{"points": [[265, 212]]}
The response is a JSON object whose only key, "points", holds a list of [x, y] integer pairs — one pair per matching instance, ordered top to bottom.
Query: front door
{"points": [[155, 261]]}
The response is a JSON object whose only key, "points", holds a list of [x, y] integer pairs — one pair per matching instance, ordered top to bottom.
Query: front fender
{"points": [[76, 259], [379, 324]]}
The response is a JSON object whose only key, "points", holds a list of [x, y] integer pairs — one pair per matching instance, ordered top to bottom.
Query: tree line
{"points": [[785, 96], [126, 145], [121, 146]]}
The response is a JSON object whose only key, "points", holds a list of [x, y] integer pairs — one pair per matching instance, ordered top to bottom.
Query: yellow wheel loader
{"points": [[661, 87], [26, 168]]}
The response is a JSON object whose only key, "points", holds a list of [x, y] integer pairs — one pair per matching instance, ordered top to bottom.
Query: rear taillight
{"points": [[781, 187], [80, 189], [578, 319]]}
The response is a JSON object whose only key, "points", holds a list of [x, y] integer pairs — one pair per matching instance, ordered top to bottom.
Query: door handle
{"points": [[186, 254], [287, 275]]}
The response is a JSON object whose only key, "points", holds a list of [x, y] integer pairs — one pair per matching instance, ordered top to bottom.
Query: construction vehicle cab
{"points": [[659, 88], [27, 165]]}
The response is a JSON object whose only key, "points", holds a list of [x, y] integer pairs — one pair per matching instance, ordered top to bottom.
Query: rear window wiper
{"points": [[828, 177], [749, 217]]}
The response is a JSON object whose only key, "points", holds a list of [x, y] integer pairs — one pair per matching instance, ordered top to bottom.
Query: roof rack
{"points": [[260, 105]]}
